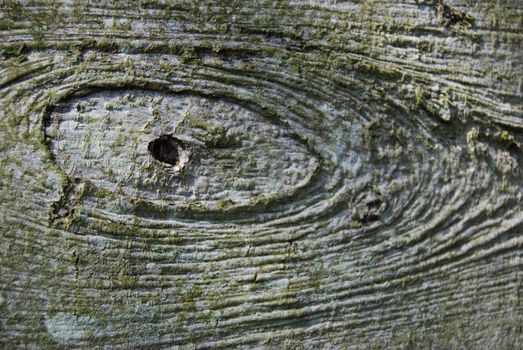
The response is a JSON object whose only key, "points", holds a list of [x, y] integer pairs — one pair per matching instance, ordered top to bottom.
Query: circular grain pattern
{"points": [[222, 153], [278, 175]]}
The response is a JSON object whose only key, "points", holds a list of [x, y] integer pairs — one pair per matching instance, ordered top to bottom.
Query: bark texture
{"points": [[276, 174]]}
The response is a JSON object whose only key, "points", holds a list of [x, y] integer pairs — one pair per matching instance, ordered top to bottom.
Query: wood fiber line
{"points": [[261, 174]]}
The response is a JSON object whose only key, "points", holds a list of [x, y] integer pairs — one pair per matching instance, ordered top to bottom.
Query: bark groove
{"points": [[221, 174]]}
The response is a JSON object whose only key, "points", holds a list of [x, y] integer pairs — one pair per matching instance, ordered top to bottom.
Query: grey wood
{"points": [[261, 174]]}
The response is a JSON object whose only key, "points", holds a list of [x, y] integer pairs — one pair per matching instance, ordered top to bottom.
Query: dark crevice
{"points": [[451, 17], [166, 149], [65, 206]]}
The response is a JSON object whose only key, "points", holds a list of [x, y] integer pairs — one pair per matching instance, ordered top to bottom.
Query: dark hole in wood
{"points": [[165, 149]]}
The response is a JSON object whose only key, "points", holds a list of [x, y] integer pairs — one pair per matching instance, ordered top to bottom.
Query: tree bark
{"points": [[274, 174]]}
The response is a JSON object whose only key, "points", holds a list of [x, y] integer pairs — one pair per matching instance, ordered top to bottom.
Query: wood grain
{"points": [[348, 174]]}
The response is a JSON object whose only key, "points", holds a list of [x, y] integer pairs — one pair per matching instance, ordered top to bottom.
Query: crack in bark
{"points": [[65, 206]]}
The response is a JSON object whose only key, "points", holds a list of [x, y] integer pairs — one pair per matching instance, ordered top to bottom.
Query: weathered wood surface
{"points": [[348, 174]]}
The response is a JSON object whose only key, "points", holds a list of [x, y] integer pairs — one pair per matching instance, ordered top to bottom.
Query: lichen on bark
{"points": [[337, 174]]}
